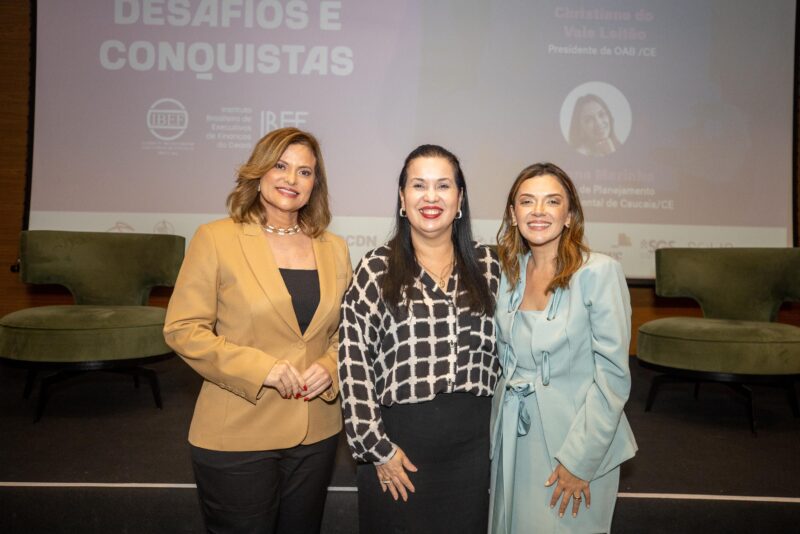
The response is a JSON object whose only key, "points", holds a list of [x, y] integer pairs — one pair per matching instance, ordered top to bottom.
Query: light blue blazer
{"points": [[583, 382]]}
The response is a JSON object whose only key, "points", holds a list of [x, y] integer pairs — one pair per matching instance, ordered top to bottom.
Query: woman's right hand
{"points": [[286, 379], [392, 475]]}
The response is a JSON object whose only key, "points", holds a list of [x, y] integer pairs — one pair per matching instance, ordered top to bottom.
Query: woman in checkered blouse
{"points": [[417, 360]]}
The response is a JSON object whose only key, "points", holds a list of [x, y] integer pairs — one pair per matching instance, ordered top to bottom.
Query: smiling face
{"points": [[595, 122], [287, 186], [430, 197], [541, 211]]}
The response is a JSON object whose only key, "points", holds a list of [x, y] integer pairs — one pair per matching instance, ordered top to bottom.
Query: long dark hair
{"points": [[402, 263]]}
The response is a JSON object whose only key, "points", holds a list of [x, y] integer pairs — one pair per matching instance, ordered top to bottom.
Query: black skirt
{"points": [[447, 439]]}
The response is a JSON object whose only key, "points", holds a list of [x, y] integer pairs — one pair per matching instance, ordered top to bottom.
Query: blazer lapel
{"points": [[262, 263], [326, 268]]}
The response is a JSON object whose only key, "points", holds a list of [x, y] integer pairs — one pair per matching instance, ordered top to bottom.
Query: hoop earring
{"points": [[402, 213], [459, 214]]}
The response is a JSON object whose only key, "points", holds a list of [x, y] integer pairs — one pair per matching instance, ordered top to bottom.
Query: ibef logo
{"points": [[167, 119]]}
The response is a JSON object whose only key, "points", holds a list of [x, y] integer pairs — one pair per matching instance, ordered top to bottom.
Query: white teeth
{"points": [[289, 191]]}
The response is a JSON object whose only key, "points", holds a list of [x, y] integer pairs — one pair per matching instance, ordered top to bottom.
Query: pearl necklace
{"points": [[292, 230]]}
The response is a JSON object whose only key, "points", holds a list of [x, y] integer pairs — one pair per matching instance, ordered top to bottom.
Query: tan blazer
{"points": [[231, 318]]}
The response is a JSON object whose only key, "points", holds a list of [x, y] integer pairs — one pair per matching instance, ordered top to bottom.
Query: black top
{"points": [[303, 286]]}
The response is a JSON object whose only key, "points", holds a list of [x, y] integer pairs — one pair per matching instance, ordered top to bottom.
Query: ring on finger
{"points": [[386, 481]]}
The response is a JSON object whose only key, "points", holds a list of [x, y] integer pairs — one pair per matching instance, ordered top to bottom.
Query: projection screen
{"points": [[673, 118]]}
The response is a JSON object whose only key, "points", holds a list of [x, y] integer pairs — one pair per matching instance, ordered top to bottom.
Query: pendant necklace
{"points": [[442, 277]]}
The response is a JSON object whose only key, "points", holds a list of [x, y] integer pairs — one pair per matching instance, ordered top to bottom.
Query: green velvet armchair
{"points": [[110, 326], [737, 341]]}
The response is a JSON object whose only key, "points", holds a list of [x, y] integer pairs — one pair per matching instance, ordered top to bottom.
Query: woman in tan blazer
{"points": [[255, 312]]}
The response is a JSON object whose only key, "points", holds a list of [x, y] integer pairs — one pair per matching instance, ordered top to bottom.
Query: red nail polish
{"points": [[305, 388], [297, 396], [305, 399]]}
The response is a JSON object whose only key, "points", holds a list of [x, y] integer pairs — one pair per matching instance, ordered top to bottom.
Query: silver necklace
{"points": [[292, 230]]}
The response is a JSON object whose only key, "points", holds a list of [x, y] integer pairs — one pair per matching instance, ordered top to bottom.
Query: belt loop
{"points": [[545, 368]]}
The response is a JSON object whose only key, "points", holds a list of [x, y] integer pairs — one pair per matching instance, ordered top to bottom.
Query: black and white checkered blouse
{"points": [[432, 347]]}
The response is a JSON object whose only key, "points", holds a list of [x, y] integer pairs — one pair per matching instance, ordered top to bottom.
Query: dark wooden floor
{"points": [[99, 429]]}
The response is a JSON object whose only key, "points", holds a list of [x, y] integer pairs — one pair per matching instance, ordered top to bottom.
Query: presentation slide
{"points": [[673, 118]]}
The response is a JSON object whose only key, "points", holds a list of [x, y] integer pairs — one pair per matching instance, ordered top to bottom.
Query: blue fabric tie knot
{"points": [[516, 391]]}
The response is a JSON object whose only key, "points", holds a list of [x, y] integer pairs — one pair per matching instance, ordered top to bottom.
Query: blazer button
{"points": [[300, 345]]}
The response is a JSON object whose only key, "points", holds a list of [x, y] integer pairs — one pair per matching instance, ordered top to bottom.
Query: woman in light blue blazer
{"points": [[563, 330]]}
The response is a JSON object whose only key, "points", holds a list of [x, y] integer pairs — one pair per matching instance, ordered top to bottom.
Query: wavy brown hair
{"points": [[244, 202], [571, 248]]}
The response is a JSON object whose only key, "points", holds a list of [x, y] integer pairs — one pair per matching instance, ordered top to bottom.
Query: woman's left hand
{"points": [[317, 380], [568, 487]]}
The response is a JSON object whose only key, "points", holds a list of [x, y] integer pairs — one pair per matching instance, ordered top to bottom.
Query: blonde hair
{"points": [[244, 202], [571, 248]]}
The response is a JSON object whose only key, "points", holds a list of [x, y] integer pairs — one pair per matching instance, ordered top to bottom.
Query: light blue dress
{"points": [[560, 400], [527, 463]]}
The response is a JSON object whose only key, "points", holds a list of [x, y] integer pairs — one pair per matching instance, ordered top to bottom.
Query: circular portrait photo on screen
{"points": [[595, 119]]}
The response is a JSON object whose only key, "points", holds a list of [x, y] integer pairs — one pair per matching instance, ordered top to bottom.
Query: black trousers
{"points": [[447, 438], [278, 491]]}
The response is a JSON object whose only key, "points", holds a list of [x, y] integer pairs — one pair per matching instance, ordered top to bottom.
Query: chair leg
{"points": [[130, 371], [149, 374], [59, 376], [152, 377], [30, 380], [656, 384], [44, 389], [747, 393], [651, 395], [792, 397], [41, 401], [751, 412]]}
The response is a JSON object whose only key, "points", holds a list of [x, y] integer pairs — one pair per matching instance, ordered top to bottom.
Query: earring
{"points": [[258, 188], [402, 213], [459, 214], [514, 222]]}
